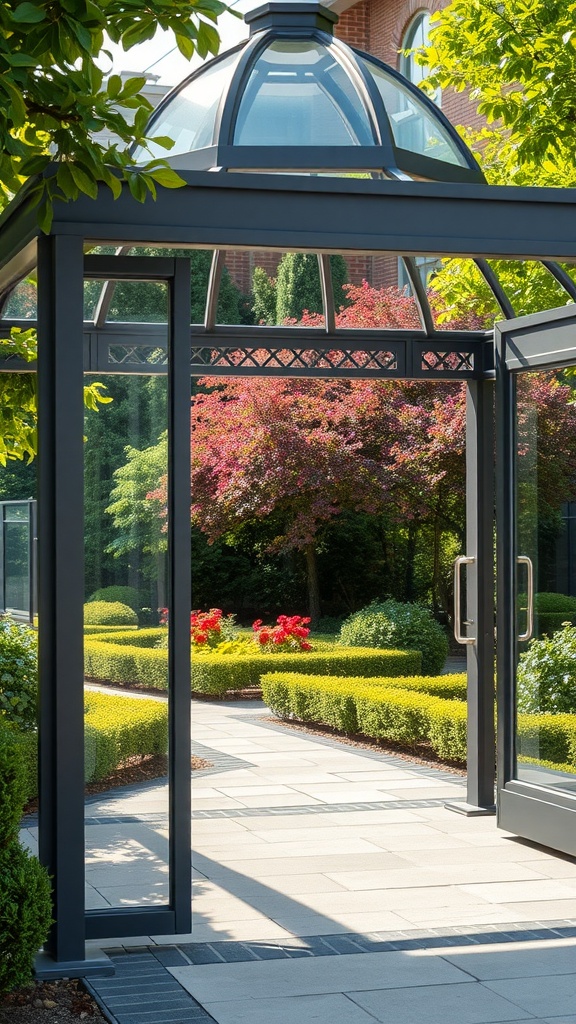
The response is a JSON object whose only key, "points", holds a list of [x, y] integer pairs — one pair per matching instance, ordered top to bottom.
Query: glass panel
{"points": [[298, 95], [189, 118], [414, 127], [529, 286], [460, 298], [22, 303], [545, 496], [17, 558], [125, 645]]}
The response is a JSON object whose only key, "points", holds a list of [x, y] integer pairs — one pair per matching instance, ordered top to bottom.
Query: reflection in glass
{"points": [[299, 95], [190, 116], [414, 127], [545, 493], [126, 737]]}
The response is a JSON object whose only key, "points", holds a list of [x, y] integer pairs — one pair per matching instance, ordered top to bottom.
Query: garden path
{"points": [[305, 849]]}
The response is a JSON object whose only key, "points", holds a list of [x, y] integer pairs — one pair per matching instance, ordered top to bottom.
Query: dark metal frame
{"points": [[227, 212], [538, 342]]}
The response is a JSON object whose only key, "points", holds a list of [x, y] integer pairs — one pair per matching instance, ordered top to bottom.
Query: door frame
{"points": [[540, 341]]}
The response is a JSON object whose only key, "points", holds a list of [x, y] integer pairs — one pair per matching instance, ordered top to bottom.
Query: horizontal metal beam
{"points": [[286, 212]]}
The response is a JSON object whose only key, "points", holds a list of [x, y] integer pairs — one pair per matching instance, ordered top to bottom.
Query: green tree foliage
{"points": [[518, 58], [54, 99], [298, 285], [263, 297], [18, 433]]}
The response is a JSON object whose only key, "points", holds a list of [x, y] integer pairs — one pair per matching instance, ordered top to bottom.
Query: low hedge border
{"points": [[109, 629], [116, 659], [376, 708], [410, 712], [116, 729]]}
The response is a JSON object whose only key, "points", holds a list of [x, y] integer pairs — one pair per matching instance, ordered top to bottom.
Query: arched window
{"points": [[416, 36]]}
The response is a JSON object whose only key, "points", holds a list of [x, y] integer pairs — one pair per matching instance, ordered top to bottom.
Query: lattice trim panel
{"points": [[294, 359]]}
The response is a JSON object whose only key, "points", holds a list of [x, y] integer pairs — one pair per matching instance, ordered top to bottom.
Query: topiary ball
{"points": [[125, 595], [109, 613], [398, 625]]}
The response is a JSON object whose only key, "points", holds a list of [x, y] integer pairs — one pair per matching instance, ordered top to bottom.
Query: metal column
{"points": [[61, 597], [480, 599]]}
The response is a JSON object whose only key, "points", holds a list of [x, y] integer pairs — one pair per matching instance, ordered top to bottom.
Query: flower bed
{"points": [[115, 658]]}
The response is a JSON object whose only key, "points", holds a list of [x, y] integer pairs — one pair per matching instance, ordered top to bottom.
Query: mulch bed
{"points": [[422, 754], [50, 1002]]}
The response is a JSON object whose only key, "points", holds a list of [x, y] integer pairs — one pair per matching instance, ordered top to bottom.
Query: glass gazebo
{"points": [[292, 142]]}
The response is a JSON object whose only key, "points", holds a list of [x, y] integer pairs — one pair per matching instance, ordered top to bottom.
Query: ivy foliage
{"points": [[54, 100]]}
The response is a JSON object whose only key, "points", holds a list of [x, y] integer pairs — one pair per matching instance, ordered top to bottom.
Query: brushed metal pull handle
{"points": [[524, 560], [460, 639]]}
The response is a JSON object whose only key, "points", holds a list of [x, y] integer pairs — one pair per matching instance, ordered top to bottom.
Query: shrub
{"points": [[115, 595], [553, 610], [109, 613], [394, 624], [93, 630], [115, 658], [18, 674], [215, 674], [546, 680], [374, 707], [120, 728], [25, 900]]}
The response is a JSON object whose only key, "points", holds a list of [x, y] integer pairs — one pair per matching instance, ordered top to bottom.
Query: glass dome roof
{"points": [[293, 98]]}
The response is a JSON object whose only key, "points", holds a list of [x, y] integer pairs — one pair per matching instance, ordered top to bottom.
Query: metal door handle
{"points": [[524, 560], [460, 639]]}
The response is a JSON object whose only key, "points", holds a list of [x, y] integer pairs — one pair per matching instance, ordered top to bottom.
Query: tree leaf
{"points": [[28, 14]]}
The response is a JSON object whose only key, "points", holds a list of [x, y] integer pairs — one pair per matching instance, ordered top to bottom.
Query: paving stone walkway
{"points": [[332, 886]]}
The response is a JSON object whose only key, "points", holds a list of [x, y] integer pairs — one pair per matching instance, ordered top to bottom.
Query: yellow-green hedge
{"points": [[89, 630], [115, 658], [217, 674], [378, 708], [410, 711], [116, 728]]}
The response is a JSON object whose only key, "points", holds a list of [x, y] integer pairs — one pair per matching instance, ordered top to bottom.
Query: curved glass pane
{"points": [[299, 95], [190, 117], [413, 126]]}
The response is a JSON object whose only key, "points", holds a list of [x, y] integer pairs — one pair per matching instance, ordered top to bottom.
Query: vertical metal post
{"points": [[506, 561], [61, 587], [180, 596], [480, 599]]}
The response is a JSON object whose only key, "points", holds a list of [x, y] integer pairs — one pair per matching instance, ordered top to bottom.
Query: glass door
{"points": [[536, 631]]}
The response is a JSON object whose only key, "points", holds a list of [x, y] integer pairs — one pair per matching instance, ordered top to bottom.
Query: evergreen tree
{"points": [[298, 285]]}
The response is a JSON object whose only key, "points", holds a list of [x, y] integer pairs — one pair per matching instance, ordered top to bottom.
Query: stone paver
{"points": [[333, 887]]}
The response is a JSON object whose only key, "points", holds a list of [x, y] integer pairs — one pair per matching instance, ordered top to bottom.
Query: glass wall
{"points": [[546, 601], [127, 623]]}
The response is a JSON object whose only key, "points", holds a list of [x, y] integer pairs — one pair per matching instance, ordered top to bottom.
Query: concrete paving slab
{"points": [[255, 980], [550, 996], [438, 1004], [323, 1009]]}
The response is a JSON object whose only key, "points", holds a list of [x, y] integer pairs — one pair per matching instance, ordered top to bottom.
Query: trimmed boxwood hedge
{"points": [[108, 629], [114, 658], [379, 708], [410, 711], [116, 728]]}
